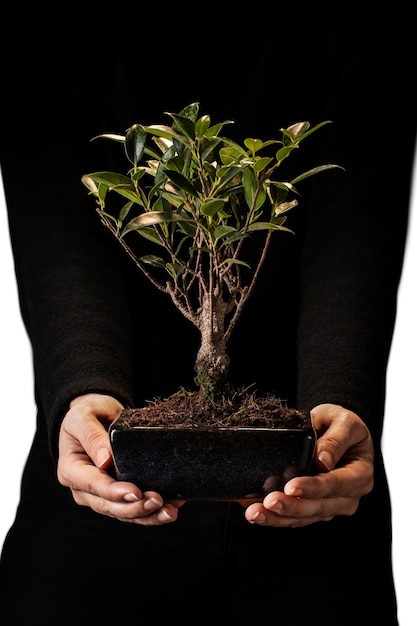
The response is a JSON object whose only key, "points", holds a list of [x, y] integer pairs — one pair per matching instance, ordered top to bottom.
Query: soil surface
{"points": [[239, 409]]}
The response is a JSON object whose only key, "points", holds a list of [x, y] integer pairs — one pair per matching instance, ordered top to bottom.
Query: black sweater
{"points": [[319, 325]]}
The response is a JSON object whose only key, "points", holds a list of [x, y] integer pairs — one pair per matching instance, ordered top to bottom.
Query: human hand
{"points": [[344, 455], [84, 457]]}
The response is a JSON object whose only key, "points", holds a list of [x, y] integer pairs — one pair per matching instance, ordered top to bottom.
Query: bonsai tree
{"points": [[201, 198]]}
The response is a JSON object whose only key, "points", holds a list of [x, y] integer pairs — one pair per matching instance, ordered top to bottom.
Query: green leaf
{"points": [[189, 112], [184, 125], [202, 125], [216, 128], [312, 130], [166, 131], [118, 138], [271, 142], [135, 143], [254, 145], [164, 146], [209, 147], [284, 153], [231, 154], [262, 163], [314, 171], [138, 174], [228, 175], [111, 179], [117, 182], [182, 182], [249, 185], [282, 186], [102, 193], [129, 194], [255, 194], [260, 198], [211, 207], [125, 211], [110, 217], [152, 218], [266, 226], [188, 227], [223, 231], [150, 234], [236, 237], [182, 240], [155, 261], [235, 262], [174, 270]]}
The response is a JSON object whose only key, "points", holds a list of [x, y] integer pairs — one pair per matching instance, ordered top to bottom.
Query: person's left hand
{"points": [[344, 455]]}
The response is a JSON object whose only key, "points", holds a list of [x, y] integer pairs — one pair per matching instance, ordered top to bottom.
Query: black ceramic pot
{"points": [[211, 463]]}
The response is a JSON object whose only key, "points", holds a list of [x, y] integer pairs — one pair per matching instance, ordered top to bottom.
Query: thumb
{"points": [[87, 420], [99, 448], [103, 458], [324, 460]]}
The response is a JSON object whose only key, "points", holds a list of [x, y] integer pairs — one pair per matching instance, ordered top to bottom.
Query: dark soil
{"points": [[239, 409]]}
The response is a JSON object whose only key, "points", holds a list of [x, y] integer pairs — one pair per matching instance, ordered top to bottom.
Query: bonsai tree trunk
{"points": [[212, 361]]}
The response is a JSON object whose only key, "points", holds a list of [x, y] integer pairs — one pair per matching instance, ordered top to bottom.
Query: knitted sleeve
{"points": [[353, 254], [69, 272]]}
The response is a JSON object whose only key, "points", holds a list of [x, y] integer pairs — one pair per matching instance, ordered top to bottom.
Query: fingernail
{"points": [[103, 457], [325, 461], [131, 497], [151, 504], [274, 504], [164, 516], [258, 518]]}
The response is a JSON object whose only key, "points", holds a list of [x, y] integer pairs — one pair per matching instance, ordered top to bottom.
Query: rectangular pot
{"points": [[211, 463]]}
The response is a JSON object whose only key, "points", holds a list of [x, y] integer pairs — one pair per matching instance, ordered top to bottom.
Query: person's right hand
{"points": [[84, 457]]}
